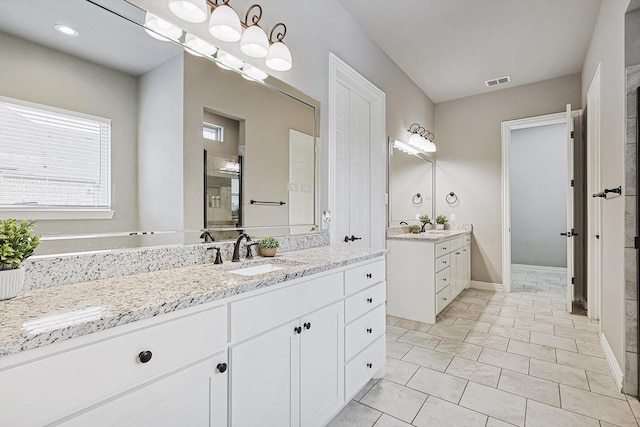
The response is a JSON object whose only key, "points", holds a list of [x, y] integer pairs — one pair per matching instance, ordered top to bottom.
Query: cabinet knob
{"points": [[444, 248], [457, 253], [444, 262], [369, 275], [444, 279], [444, 299], [369, 300], [307, 325], [297, 330], [369, 330], [145, 356], [369, 365], [222, 367]]}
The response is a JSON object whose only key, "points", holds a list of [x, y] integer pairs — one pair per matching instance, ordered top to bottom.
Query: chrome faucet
{"points": [[236, 247]]}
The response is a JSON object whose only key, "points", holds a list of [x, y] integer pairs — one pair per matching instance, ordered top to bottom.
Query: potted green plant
{"points": [[441, 220], [426, 222], [414, 229], [17, 243], [268, 246]]}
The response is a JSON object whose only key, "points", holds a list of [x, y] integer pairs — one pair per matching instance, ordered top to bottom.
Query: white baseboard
{"points": [[540, 267], [486, 286], [616, 370]]}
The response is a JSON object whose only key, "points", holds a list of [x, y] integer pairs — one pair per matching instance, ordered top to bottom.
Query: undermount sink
{"points": [[260, 269]]}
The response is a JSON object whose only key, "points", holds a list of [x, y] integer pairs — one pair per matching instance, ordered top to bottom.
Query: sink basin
{"points": [[260, 269]]}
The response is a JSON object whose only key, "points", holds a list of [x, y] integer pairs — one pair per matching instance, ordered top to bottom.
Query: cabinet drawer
{"points": [[455, 244], [443, 248], [443, 262], [364, 276], [443, 278], [442, 299], [364, 301], [258, 313], [364, 331], [362, 368], [73, 380]]}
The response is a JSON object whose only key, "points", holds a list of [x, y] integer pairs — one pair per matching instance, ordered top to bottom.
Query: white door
{"points": [[301, 182], [352, 210], [594, 211], [570, 219], [321, 365], [264, 379]]}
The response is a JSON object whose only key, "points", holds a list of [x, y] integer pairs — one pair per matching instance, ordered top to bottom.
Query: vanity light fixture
{"points": [[195, 11], [224, 23], [160, 29], [66, 30], [254, 41], [198, 47], [279, 57], [227, 61], [250, 72], [421, 138], [404, 147]]}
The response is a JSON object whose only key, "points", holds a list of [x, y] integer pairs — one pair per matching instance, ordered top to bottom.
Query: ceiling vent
{"points": [[498, 81]]}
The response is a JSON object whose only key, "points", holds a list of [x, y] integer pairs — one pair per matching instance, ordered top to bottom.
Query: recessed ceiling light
{"points": [[66, 30]]}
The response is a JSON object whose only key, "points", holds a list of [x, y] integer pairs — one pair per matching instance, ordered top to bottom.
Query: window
{"points": [[212, 132], [53, 159]]}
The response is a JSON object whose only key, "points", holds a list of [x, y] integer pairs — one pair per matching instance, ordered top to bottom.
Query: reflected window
{"points": [[212, 132], [52, 158]]}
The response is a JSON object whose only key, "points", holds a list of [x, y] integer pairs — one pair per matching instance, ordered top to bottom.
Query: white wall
{"points": [[607, 47], [468, 160], [539, 195]]}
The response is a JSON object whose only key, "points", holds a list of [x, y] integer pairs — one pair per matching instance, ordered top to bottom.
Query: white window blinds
{"points": [[53, 158]]}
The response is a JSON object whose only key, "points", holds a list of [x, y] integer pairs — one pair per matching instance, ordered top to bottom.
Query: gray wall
{"points": [[607, 48], [35, 73], [468, 160], [539, 195]]}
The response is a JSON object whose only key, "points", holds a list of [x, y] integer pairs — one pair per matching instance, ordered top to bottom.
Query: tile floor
{"points": [[495, 359]]}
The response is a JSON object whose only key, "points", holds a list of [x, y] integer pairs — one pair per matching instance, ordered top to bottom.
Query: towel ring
{"points": [[451, 198], [417, 199]]}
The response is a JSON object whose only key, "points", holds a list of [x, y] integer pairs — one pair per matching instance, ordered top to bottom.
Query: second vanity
{"points": [[426, 272], [198, 346]]}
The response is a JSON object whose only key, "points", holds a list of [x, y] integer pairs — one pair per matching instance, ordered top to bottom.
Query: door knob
{"points": [[563, 234], [352, 238]]}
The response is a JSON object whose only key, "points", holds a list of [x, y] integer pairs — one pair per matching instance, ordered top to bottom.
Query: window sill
{"points": [[56, 214]]}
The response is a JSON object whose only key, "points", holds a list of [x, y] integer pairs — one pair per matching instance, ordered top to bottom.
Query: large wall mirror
{"points": [[192, 146], [411, 185]]}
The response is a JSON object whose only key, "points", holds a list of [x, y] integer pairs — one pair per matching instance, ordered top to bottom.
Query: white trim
{"points": [[341, 73], [506, 128], [57, 214], [540, 267], [486, 286], [616, 370]]}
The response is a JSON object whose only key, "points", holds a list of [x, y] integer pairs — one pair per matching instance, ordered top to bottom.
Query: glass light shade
{"points": [[190, 10], [225, 24], [161, 29], [66, 30], [254, 42], [199, 47], [279, 57], [228, 62], [253, 73], [416, 141], [404, 147], [431, 147]]}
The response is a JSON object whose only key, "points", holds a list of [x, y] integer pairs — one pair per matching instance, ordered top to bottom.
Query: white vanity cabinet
{"points": [[425, 276], [155, 371]]}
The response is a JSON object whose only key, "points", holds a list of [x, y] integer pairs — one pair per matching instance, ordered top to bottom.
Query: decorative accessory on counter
{"points": [[421, 139], [451, 198], [417, 199], [425, 220], [441, 220], [414, 229], [17, 243], [268, 246]]}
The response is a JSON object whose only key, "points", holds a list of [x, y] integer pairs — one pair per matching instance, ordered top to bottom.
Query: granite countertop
{"points": [[430, 235], [44, 316]]}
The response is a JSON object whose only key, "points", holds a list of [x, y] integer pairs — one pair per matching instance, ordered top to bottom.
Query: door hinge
{"points": [[572, 134], [573, 182], [636, 242], [573, 280]]}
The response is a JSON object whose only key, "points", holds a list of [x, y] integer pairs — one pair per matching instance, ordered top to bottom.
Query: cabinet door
{"points": [[465, 274], [454, 278], [321, 365], [264, 379], [195, 396]]}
